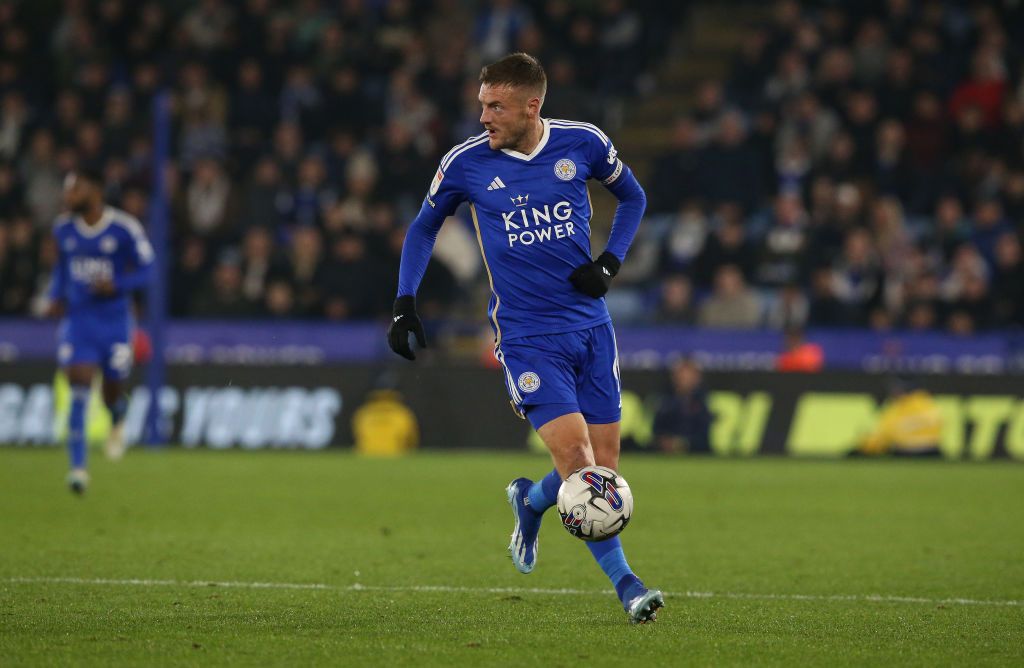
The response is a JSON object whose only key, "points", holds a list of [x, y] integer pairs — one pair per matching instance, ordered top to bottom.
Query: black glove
{"points": [[594, 278], [404, 321]]}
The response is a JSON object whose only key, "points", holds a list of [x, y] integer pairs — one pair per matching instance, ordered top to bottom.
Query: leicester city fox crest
{"points": [[565, 169], [529, 382]]}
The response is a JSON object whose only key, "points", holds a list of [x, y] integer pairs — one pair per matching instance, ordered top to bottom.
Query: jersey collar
{"points": [[540, 145], [97, 229]]}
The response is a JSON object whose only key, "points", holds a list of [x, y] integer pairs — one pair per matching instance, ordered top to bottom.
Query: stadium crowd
{"points": [[305, 133], [862, 164]]}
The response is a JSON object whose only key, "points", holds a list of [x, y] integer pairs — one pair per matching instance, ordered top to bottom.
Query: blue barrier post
{"points": [[157, 293]]}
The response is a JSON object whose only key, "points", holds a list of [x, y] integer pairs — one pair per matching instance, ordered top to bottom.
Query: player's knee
{"points": [[79, 374], [111, 392], [576, 453], [607, 458]]}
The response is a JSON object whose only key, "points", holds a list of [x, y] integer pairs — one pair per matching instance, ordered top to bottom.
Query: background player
{"points": [[526, 180], [103, 256]]}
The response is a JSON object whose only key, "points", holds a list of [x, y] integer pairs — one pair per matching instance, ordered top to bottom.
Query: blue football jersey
{"points": [[532, 215], [115, 249]]}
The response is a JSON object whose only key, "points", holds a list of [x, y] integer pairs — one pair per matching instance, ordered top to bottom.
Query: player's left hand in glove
{"points": [[594, 278], [403, 321]]}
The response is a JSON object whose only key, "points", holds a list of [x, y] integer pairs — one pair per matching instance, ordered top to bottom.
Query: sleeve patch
{"points": [[436, 183]]}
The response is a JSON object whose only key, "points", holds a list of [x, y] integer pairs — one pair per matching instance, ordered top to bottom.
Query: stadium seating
{"points": [[861, 165]]}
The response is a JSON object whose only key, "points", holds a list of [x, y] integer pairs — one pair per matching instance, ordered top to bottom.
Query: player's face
{"points": [[506, 114], [79, 194]]}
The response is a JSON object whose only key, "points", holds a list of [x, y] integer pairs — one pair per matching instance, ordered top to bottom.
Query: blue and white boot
{"points": [[78, 480], [523, 547], [642, 604]]}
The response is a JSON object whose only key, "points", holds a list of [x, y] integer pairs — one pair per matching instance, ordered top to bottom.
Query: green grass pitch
{"points": [[403, 562]]}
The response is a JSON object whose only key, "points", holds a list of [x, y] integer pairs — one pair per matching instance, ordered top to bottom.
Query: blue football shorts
{"points": [[95, 341], [552, 375]]}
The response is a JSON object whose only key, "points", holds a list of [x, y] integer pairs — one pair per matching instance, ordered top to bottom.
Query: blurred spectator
{"points": [[499, 24], [207, 25], [620, 35], [985, 88], [253, 113], [14, 119], [808, 124], [731, 167], [676, 173], [43, 179], [11, 192], [312, 195], [267, 199], [208, 200], [989, 226], [951, 227], [684, 240], [726, 246], [783, 248], [258, 263], [19, 265], [191, 268], [305, 271], [857, 275], [351, 283], [1008, 291], [223, 297], [280, 300], [675, 303], [731, 305], [825, 309], [790, 310], [799, 355], [683, 420], [910, 424], [384, 425]]}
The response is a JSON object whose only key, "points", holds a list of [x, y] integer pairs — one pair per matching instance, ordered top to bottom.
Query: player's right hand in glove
{"points": [[594, 278], [403, 321]]}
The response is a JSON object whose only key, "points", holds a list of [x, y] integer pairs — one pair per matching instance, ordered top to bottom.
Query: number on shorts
{"points": [[121, 358]]}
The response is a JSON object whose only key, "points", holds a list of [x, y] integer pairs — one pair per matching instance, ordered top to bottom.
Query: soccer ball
{"points": [[595, 503]]}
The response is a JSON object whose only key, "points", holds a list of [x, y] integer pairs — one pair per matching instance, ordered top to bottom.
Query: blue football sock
{"points": [[118, 409], [76, 425], [544, 492], [612, 560]]}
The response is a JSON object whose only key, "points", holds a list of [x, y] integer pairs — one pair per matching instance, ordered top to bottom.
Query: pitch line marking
{"points": [[868, 598]]}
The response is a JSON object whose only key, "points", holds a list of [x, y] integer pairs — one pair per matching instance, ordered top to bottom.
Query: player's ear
{"points": [[534, 105]]}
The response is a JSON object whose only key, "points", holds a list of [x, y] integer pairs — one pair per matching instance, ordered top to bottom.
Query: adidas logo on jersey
{"points": [[496, 184]]}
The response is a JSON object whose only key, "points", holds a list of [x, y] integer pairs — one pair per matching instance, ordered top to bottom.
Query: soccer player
{"points": [[525, 178], [103, 256]]}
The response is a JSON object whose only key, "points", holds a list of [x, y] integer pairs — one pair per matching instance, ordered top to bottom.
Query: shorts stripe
{"points": [[513, 391]]}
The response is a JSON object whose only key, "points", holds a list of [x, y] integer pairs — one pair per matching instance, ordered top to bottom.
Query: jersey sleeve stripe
{"points": [[566, 121], [572, 125], [461, 144], [448, 159], [134, 228]]}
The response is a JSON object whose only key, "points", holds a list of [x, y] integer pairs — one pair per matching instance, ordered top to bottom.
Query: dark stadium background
{"points": [[850, 171], [835, 219]]}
